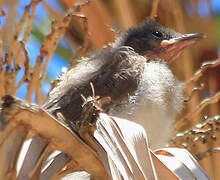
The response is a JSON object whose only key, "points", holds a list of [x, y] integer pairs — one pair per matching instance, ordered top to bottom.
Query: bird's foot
{"points": [[91, 108]]}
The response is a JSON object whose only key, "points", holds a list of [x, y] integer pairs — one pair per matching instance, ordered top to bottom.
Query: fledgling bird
{"points": [[135, 74]]}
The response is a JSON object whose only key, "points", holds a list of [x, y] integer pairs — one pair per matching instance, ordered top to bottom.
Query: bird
{"points": [[135, 73]]}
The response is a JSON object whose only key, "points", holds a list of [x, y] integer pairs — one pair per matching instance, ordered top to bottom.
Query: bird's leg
{"points": [[91, 108]]}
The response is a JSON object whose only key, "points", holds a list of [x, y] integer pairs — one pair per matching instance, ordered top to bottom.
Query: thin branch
{"points": [[78, 6], [154, 8], [49, 9], [30, 22], [29, 27], [58, 31], [17, 33], [25, 39], [51, 41], [84, 47], [47, 50], [205, 66], [26, 67], [2, 74], [34, 78], [195, 89], [199, 108], [200, 132], [201, 155]]}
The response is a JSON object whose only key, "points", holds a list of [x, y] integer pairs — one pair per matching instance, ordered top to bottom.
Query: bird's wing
{"points": [[113, 74]]}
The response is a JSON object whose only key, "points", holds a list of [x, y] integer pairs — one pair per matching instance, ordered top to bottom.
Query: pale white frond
{"points": [[119, 138], [130, 157], [182, 163], [81, 175]]}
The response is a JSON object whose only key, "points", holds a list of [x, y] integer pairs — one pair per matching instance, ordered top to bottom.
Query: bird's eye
{"points": [[157, 34]]}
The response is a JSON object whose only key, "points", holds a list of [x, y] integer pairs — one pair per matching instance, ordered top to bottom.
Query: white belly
{"points": [[154, 104]]}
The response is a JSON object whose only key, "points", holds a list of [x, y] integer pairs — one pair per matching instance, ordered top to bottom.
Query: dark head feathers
{"points": [[145, 37], [155, 41]]}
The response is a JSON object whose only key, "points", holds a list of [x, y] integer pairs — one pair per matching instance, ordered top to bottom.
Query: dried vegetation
{"points": [[198, 134]]}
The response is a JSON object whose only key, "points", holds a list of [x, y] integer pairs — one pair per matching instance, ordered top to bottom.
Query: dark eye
{"points": [[157, 34]]}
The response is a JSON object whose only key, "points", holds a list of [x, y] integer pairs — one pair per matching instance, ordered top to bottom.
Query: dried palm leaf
{"points": [[119, 149]]}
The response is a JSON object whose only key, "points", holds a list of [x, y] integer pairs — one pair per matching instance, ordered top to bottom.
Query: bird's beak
{"points": [[172, 48]]}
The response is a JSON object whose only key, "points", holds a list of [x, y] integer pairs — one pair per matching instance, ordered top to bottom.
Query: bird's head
{"points": [[153, 40]]}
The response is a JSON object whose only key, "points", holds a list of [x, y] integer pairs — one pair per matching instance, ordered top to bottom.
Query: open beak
{"points": [[172, 48]]}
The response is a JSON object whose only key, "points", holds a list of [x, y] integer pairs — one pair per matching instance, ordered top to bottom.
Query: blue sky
{"points": [[33, 45]]}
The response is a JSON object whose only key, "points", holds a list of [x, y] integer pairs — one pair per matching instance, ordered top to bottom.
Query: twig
{"points": [[77, 6], [154, 8], [51, 11], [29, 27], [18, 31], [57, 34], [25, 39], [49, 46], [15, 47], [47, 49], [82, 50], [205, 66], [26, 67], [2, 74], [33, 81], [196, 89], [199, 108], [200, 132], [201, 155]]}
